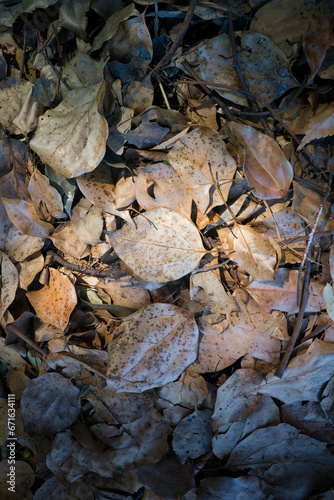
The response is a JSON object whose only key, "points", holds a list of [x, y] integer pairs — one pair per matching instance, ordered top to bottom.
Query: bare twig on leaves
{"points": [[182, 31], [305, 292], [27, 340]]}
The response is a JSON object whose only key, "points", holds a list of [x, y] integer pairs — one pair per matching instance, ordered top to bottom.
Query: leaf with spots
{"points": [[202, 162], [163, 245], [55, 302], [153, 347]]}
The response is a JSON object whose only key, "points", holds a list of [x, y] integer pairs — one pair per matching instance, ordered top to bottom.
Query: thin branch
{"points": [[26, 339]]}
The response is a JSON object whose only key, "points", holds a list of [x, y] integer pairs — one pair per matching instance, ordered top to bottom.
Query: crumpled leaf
{"points": [[13, 93], [321, 125], [71, 138], [201, 159], [268, 172], [159, 186], [42, 192], [25, 218], [87, 222], [163, 246], [255, 253], [9, 280], [206, 287], [281, 292], [55, 302], [155, 345], [304, 376], [49, 404], [192, 436], [304, 464]]}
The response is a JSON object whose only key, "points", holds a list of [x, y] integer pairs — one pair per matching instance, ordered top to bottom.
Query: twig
{"points": [[182, 31], [23, 52], [207, 91], [252, 100], [311, 236], [79, 269], [26, 339], [286, 356]]}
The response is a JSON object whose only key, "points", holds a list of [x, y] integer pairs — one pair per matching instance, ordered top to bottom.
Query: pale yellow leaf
{"points": [[71, 138], [163, 245], [329, 300], [55, 302], [154, 346]]}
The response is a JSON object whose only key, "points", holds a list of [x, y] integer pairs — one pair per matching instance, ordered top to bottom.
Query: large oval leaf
{"points": [[71, 138], [267, 171], [164, 245], [154, 346]]}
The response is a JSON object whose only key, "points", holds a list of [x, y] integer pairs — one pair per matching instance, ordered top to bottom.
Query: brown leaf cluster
{"points": [[166, 225]]}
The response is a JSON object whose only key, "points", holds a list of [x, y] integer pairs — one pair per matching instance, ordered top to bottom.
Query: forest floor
{"points": [[166, 225]]}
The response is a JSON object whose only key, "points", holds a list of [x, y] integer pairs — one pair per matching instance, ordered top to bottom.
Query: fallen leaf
{"points": [[319, 126], [71, 138], [201, 159], [268, 172], [159, 186], [25, 218], [163, 246], [9, 279], [281, 292], [55, 302], [153, 348], [49, 404]]}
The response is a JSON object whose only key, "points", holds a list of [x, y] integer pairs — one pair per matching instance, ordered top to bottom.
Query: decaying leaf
{"points": [[321, 125], [71, 138], [201, 160], [268, 172], [24, 216], [163, 246], [255, 253], [9, 280], [281, 292], [54, 302], [155, 345], [49, 404]]}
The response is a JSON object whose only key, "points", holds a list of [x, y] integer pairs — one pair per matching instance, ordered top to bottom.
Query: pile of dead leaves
{"points": [[166, 226]]}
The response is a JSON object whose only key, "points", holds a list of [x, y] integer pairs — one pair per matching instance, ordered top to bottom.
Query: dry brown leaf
{"points": [[284, 21], [316, 41], [321, 125], [71, 138], [201, 159], [268, 172], [159, 186], [98, 187], [42, 192], [307, 202], [25, 218], [87, 222], [67, 241], [163, 245], [255, 253], [29, 269], [9, 279], [206, 288], [125, 292], [281, 293], [55, 302], [154, 346]]}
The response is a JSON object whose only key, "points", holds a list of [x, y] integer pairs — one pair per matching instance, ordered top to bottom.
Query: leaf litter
{"points": [[166, 254]]}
